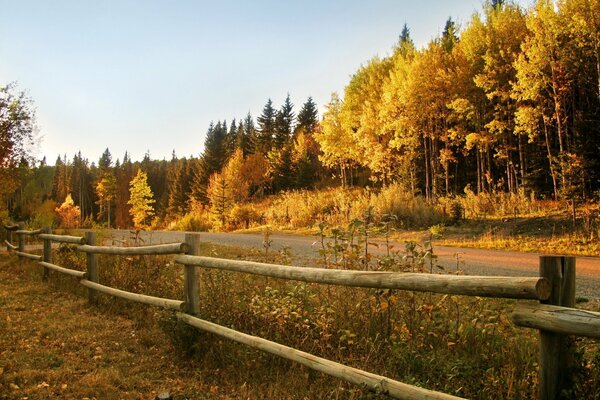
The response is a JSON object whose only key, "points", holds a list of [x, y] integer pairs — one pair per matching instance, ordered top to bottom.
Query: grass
{"points": [[548, 234], [55, 345]]}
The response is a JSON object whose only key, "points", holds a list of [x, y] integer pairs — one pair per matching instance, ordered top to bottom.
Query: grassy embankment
{"points": [[506, 221], [56, 344]]}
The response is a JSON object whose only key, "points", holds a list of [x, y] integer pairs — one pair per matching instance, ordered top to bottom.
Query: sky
{"points": [[149, 76]]}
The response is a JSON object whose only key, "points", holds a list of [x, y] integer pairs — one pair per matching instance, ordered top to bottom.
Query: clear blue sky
{"points": [[151, 75]]}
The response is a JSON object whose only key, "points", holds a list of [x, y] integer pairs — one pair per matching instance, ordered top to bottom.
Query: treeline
{"points": [[510, 102], [242, 160]]}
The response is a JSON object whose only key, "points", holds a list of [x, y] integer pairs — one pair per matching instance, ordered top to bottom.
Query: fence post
{"points": [[21, 240], [47, 252], [92, 266], [190, 276], [556, 350]]}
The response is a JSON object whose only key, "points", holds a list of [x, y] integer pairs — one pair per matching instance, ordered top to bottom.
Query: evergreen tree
{"points": [[450, 35], [307, 117], [284, 121], [266, 129], [231, 139], [249, 143], [214, 155]]}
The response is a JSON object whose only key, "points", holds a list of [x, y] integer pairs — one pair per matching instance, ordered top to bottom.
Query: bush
{"points": [[244, 215], [194, 222]]}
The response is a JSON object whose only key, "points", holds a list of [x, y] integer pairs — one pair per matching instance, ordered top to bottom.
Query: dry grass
{"points": [[53, 344]]}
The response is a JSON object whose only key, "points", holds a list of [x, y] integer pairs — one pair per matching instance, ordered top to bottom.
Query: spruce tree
{"points": [[307, 117], [284, 123], [266, 129]]}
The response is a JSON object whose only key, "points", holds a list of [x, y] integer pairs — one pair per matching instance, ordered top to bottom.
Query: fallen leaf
{"points": [[43, 385]]}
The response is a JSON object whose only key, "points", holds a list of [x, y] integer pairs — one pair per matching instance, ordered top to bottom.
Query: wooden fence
{"points": [[554, 316]]}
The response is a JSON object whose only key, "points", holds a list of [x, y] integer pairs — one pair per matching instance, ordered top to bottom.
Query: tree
{"points": [[307, 119], [284, 121], [17, 124], [266, 129], [338, 148], [106, 192], [219, 194], [140, 200], [68, 213]]}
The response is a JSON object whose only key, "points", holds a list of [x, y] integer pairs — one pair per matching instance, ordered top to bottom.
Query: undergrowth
{"points": [[464, 346]]}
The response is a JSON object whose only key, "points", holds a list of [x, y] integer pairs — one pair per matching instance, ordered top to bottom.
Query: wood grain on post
{"points": [[47, 258], [92, 266], [190, 276], [483, 286], [568, 321], [556, 352], [365, 379]]}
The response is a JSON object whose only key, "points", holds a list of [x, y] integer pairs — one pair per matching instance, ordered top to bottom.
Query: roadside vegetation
{"points": [[465, 346]]}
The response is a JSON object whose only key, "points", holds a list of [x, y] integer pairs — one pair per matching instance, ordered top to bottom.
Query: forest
{"points": [[508, 103]]}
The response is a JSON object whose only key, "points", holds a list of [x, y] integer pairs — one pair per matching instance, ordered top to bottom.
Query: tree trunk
{"points": [[426, 155], [552, 171]]}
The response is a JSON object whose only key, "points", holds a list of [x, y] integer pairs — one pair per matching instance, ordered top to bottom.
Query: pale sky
{"points": [[151, 75]]}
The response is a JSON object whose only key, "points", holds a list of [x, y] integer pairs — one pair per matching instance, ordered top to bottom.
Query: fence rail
{"points": [[482, 286], [554, 320]]}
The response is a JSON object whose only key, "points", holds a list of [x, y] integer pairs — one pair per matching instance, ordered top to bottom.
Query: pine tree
{"points": [[308, 117], [284, 121], [266, 129], [250, 138], [214, 155], [140, 200]]}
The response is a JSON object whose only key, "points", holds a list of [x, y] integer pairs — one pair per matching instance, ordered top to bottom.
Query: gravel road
{"points": [[472, 261]]}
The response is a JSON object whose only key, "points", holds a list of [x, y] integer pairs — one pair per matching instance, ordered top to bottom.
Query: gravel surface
{"points": [[471, 261]]}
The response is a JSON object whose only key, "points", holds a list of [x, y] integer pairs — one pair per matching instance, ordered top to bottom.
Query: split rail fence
{"points": [[554, 316]]}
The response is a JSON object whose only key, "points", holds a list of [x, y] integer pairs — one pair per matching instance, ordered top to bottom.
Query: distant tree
{"points": [[405, 34], [450, 35], [307, 117], [284, 122], [266, 129], [248, 140], [214, 155], [105, 161], [124, 174], [180, 182], [60, 183], [106, 192], [220, 197], [140, 200], [68, 213]]}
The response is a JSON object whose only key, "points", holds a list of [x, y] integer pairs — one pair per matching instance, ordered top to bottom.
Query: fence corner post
{"points": [[47, 256], [92, 266], [190, 276], [556, 350]]}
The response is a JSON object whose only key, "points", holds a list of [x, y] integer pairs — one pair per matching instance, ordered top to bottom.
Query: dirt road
{"points": [[472, 261]]}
